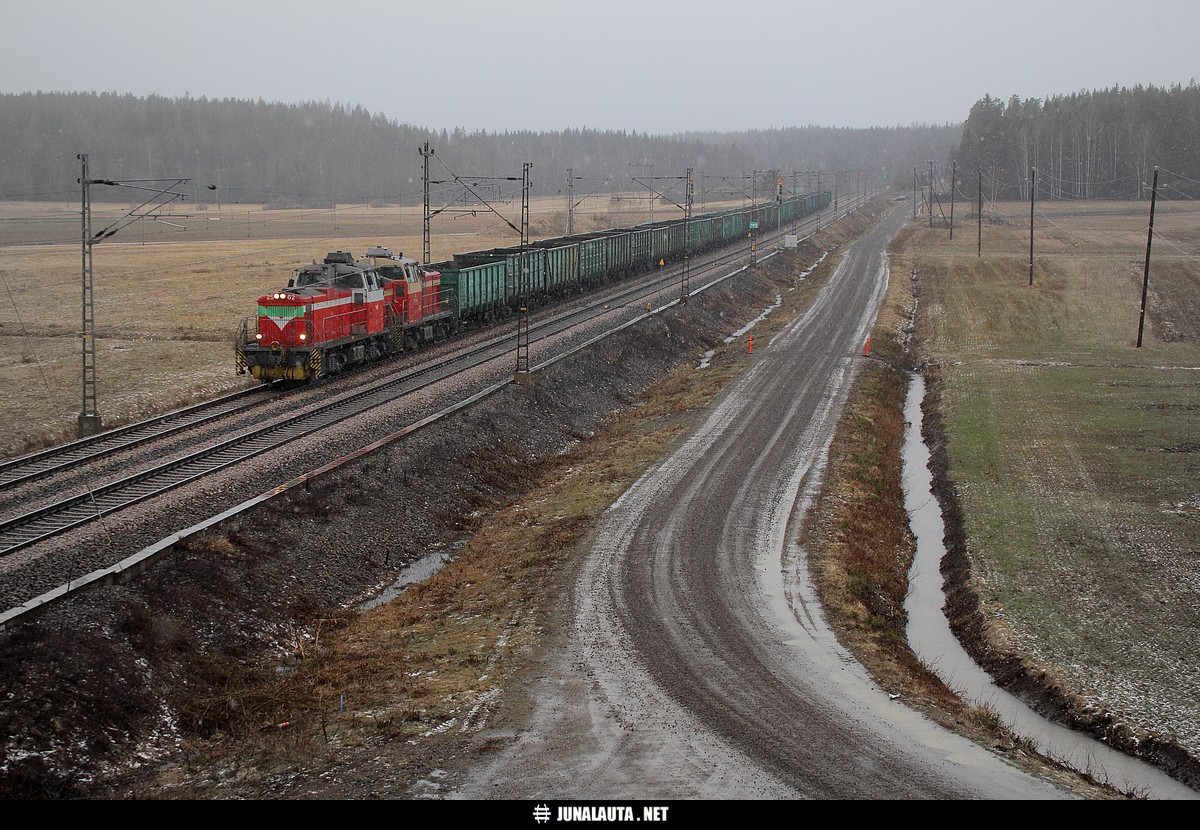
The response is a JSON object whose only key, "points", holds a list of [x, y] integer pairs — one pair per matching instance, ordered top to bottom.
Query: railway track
{"points": [[63, 457], [82, 507]]}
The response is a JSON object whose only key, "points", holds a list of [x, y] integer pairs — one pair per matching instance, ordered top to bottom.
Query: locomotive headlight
{"points": [[258, 336], [303, 337]]}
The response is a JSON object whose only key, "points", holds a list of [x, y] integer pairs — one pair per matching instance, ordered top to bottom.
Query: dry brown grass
{"points": [[166, 314]]}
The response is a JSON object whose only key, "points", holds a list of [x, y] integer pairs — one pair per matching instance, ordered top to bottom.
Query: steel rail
{"points": [[54, 459]]}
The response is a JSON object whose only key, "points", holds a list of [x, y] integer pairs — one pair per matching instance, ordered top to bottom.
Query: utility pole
{"points": [[425, 154], [953, 176], [525, 187], [1032, 190], [818, 192], [931, 194], [689, 195], [570, 201], [778, 201], [914, 216], [979, 241], [1146, 270], [685, 274], [522, 372], [89, 419]]}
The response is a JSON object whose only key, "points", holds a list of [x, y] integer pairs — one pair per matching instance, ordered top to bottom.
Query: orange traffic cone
{"points": [[867, 346], [750, 348]]}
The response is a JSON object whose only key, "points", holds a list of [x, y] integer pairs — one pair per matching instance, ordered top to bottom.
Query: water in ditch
{"points": [[418, 571], [930, 636]]}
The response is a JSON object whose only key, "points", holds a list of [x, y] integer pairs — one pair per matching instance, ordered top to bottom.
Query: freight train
{"points": [[342, 312]]}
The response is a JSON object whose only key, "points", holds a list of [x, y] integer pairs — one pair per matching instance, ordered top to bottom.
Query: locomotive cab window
{"points": [[304, 278], [347, 281]]}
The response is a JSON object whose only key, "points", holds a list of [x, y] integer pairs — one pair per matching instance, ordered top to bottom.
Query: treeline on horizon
{"points": [[1098, 144], [1102, 144], [315, 154]]}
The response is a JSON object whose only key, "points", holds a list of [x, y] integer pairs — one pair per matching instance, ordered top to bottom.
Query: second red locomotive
{"points": [[340, 313]]}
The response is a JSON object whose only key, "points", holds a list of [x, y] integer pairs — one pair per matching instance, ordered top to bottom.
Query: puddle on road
{"points": [[930, 636]]}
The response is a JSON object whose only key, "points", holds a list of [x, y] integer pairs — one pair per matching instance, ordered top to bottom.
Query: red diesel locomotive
{"points": [[341, 313]]}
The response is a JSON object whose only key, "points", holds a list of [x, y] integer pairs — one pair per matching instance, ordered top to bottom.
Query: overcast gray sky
{"points": [[647, 65]]}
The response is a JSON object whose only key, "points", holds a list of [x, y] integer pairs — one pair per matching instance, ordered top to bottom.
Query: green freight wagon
{"points": [[735, 226], [698, 234], [678, 241], [660, 244], [618, 246], [640, 249], [593, 260], [561, 264], [524, 271], [478, 291]]}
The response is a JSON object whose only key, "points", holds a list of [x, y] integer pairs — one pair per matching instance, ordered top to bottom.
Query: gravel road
{"points": [[695, 663]]}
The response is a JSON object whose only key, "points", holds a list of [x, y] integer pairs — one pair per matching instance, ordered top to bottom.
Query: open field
{"points": [[51, 223], [168, 301], [1074, 454]]}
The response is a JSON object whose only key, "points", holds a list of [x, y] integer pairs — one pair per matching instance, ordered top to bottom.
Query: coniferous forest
{"points": [[1097, 144], [1103, 144], [317, 153]]}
